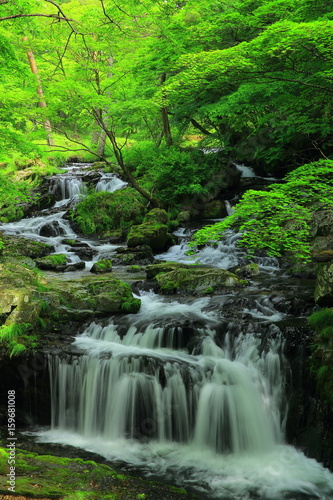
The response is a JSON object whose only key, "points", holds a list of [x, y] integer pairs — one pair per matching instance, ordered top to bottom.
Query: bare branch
{"points": [[60, 11], [53, 16], [109, 18]]}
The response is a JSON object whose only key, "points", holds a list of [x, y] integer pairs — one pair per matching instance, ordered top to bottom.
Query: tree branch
{"points": [[53, 16]]}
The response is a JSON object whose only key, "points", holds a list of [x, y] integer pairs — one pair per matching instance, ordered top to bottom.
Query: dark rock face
{"points": [[324, 286]]}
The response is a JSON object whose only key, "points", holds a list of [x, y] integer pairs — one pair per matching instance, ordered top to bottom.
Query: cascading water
{"points": [[110, 182], [51, 225], [189, 390], [169, 393]]}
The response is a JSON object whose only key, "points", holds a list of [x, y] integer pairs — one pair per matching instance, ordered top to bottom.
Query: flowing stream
{"points": [[190, 390]]}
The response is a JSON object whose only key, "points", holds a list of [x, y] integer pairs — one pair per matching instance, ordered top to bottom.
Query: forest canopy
{"points": [[151, 80]]}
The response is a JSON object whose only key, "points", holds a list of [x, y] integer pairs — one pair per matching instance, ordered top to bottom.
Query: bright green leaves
{"points": [[277, 220]]}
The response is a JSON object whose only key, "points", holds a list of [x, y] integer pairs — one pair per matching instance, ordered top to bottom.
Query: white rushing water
{"points": [[110, 183], [53, 228], [180, 391], [208, 415]]}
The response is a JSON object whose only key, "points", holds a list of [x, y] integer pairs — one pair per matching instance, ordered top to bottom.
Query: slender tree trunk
{"points": [[42, 103], [165, 119], [120, 160]]}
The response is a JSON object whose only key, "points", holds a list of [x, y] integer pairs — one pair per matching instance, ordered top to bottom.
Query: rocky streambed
{"points": [[189, 370]]}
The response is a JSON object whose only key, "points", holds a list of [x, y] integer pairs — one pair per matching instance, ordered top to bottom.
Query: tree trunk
{"points": [[42, 103], [165, 119], [154, 202]]}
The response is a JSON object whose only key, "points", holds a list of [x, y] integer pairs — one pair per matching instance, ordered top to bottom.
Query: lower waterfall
{"points": [[169, 394]]}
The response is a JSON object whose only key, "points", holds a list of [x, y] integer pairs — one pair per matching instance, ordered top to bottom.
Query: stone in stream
{"points": [[153, 231], [17, 246], [140, 255], [58, 262], [102, 266], [197, 281]]}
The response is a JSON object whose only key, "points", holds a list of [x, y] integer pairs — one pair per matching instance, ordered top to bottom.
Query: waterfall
{"points": [[110, 183], [188, 390], [205, 408]]}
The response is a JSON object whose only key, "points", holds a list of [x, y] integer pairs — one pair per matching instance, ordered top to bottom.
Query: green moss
{"points": [[101, 212], [57, 259], [102, 266], [46, 476]]}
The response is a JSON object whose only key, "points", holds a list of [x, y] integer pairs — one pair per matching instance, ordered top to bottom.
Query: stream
{"points": [[193, 391]]}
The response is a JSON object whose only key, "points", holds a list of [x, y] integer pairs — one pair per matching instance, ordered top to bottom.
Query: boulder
{"points": [[216, 209], [157, 215], [322, 223], [153, 234], [17, 246], [140, 256], [58, 262], [102, 266], [164, 267], [248, 270], [197, 281], [324, 286], [18, 294], [94, 297]]}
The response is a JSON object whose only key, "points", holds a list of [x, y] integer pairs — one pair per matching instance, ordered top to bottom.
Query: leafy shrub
{"points": [[173, 174], [102, 211], [277, 220], [16, 339]]}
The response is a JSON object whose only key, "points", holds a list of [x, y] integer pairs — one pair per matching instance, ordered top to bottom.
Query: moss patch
{"points": [[102, 266], [197, 281], [45, 476]]}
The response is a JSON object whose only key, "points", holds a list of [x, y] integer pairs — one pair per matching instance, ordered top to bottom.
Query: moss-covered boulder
{"points": [[214, 210], [103, 212], [157, 215], [322, 223], [153, 234], [17, 246], [140, 256], [58, 262], [102, 266], [164, 267], [248, 270], [197, 281], [324, 286], [88, 297]]}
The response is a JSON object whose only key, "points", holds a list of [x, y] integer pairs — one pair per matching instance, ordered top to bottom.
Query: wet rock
{"points": [[215, 210], [322, 223], [50, 230], [153, 234], [17, 246], [322, 255], [140, 256], [58, 263], [102, 266], [164, 267], [248, 270], [200, 281], [324, 286]]}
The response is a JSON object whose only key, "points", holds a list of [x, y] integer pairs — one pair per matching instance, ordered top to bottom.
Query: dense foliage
{"points": [[277, 220]]}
